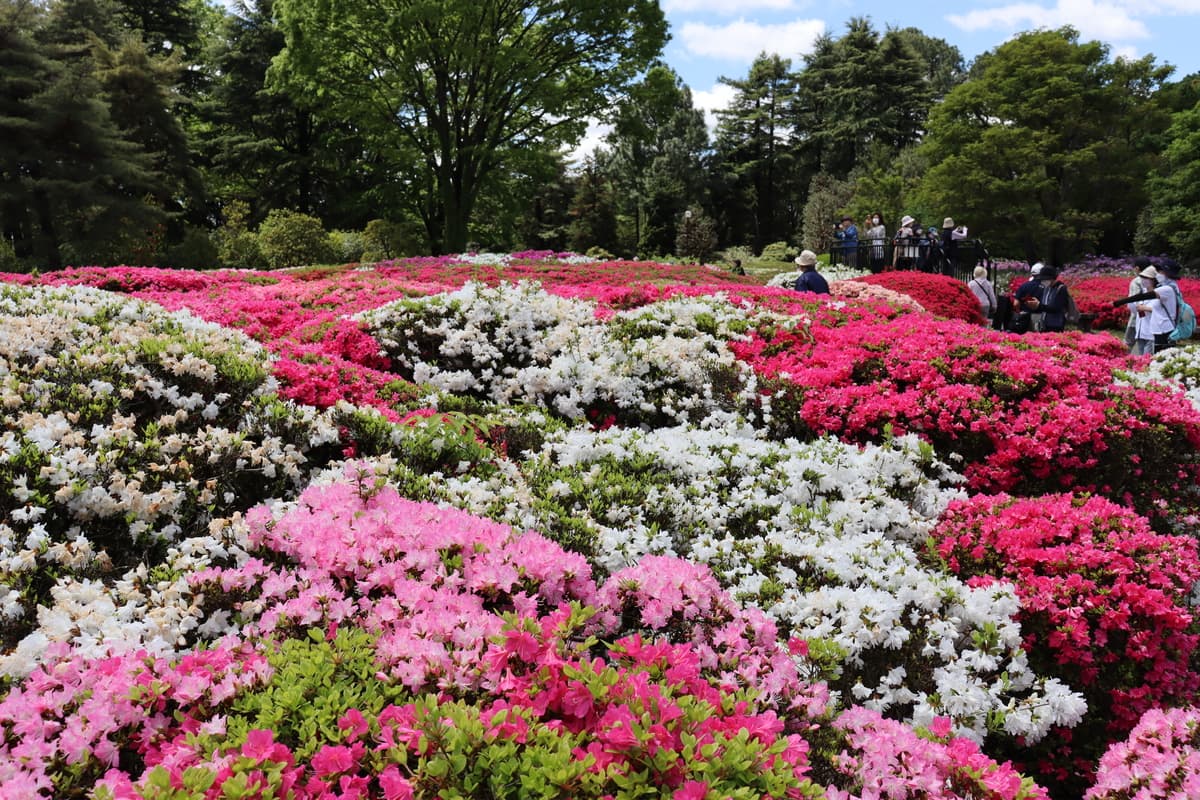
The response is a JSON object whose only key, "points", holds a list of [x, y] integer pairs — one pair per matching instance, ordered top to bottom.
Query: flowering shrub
{"points": [[858, 290], [940, 295], [659, 364], [661, 412], [1023, 414], [128, 431], [821, 537], [1105, 601], [1159, 760]]}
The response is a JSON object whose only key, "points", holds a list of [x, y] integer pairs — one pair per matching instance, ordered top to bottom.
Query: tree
{"points": [[943, 66], [459, 86], [856, 92], [657, 147], [276, 148], [1040, 150], [757, 183], [1175, 186], [74, 189], [593, 214]]}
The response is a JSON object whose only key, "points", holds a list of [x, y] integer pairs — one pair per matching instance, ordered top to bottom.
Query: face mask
{"points": [[876, 220]]}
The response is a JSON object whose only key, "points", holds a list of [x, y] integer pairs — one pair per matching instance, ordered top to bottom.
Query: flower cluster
{"points": [[939, 295], [1023, 413], [128, 430], [1161, 758]]}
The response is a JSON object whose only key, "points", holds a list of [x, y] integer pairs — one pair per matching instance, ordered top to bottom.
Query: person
{"points": [[847, 234], [876, 234], [951, 236], [904, 254], [737, 267], [810, 280], [1135, 287], [984, 292], [1027, 301], [1056, 303], [1157, 309]]}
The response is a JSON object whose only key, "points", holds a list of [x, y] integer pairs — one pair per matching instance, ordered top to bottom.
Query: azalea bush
{"points": [[940, 295], [1024, 414], [532, 523], [1106, 604], [1160, 758]]}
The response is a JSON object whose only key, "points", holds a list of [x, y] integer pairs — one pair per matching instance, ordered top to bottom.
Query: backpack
{"points": [[1185, 318]]}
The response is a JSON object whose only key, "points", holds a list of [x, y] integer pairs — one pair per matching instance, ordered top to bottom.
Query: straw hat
{"points": [[807, 258]]}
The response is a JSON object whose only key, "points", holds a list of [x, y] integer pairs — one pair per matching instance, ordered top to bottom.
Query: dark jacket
{"points": [[812, 281]]}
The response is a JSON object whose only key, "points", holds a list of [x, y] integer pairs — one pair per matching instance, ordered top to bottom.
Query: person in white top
{"points": [[984, 292], [1156, 311]]}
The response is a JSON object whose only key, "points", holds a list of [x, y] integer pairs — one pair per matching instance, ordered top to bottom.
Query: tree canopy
{"points": [[457, 86]]}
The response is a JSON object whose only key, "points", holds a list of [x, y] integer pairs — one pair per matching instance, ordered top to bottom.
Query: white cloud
{"points": [[725, 7], [1107, 21], [742, 41], [712, 100], [593, 138]]}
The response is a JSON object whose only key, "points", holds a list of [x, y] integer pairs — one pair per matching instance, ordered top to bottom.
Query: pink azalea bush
{"points": [[939, 295], [1024, 414], [1105, 602], [538, 688], [1160, 758]]}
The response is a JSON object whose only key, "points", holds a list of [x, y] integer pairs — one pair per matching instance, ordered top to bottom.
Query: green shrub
{"points": [[290, 239], [237, 245], [348, 245], [196, 250], [777, 251], [600, 254], [8, 257]]}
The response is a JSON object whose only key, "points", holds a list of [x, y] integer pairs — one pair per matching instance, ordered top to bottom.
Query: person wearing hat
{"points": [[847, 234], [905, 250], [810, 280], [1135, 287], [1027, 301], [1056, 303], [1156, 309]]}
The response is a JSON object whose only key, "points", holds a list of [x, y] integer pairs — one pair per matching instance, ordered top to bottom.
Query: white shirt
{"points": [[1161, 318]]}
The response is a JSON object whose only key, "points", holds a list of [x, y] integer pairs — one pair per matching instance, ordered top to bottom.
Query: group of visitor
{"points": [[914, 246], [1044, 304], [1155, 305]]}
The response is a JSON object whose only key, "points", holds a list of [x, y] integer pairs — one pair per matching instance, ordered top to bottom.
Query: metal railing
{"points": [[921, 255]]}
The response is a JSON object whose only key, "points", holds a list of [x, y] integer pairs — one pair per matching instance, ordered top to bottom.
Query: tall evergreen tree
{"points": [[855, 92], [658, 145], [273, 148], [758, 188], [592, 211]]}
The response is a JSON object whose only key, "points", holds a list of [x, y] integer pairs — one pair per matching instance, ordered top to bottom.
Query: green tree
{"points": [[942, 68], [459, 86], [856, 92], [657, 146], [273, 147], [1042, 149], [757, 182], [1175, 186], [74, 188], [592, 211]]}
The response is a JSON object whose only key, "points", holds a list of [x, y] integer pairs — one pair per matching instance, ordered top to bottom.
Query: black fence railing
{"points": [[922, 255]]}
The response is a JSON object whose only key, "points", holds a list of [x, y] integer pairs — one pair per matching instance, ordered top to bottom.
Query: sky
{"points": [[715, 38]]}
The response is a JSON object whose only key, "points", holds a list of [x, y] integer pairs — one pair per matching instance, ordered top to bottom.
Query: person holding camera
{"points": [[846, 232], [1156, 310]]}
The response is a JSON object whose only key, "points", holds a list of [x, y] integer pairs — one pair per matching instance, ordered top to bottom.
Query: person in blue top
{"points": [[847, 234], [810, 280]]}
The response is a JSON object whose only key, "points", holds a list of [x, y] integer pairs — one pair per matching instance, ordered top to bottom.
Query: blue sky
{"points": [[711, 38]]}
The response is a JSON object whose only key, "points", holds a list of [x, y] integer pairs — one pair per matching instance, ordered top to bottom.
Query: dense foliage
{"points": [[535, 524]]}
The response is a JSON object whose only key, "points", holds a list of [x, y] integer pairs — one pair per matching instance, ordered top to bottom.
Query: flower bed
{"points": [[600, 533]]}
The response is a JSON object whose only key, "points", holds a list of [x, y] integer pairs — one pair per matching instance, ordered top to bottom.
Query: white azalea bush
{"points": [[664, 363], [128, 432], [822, 535]]}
